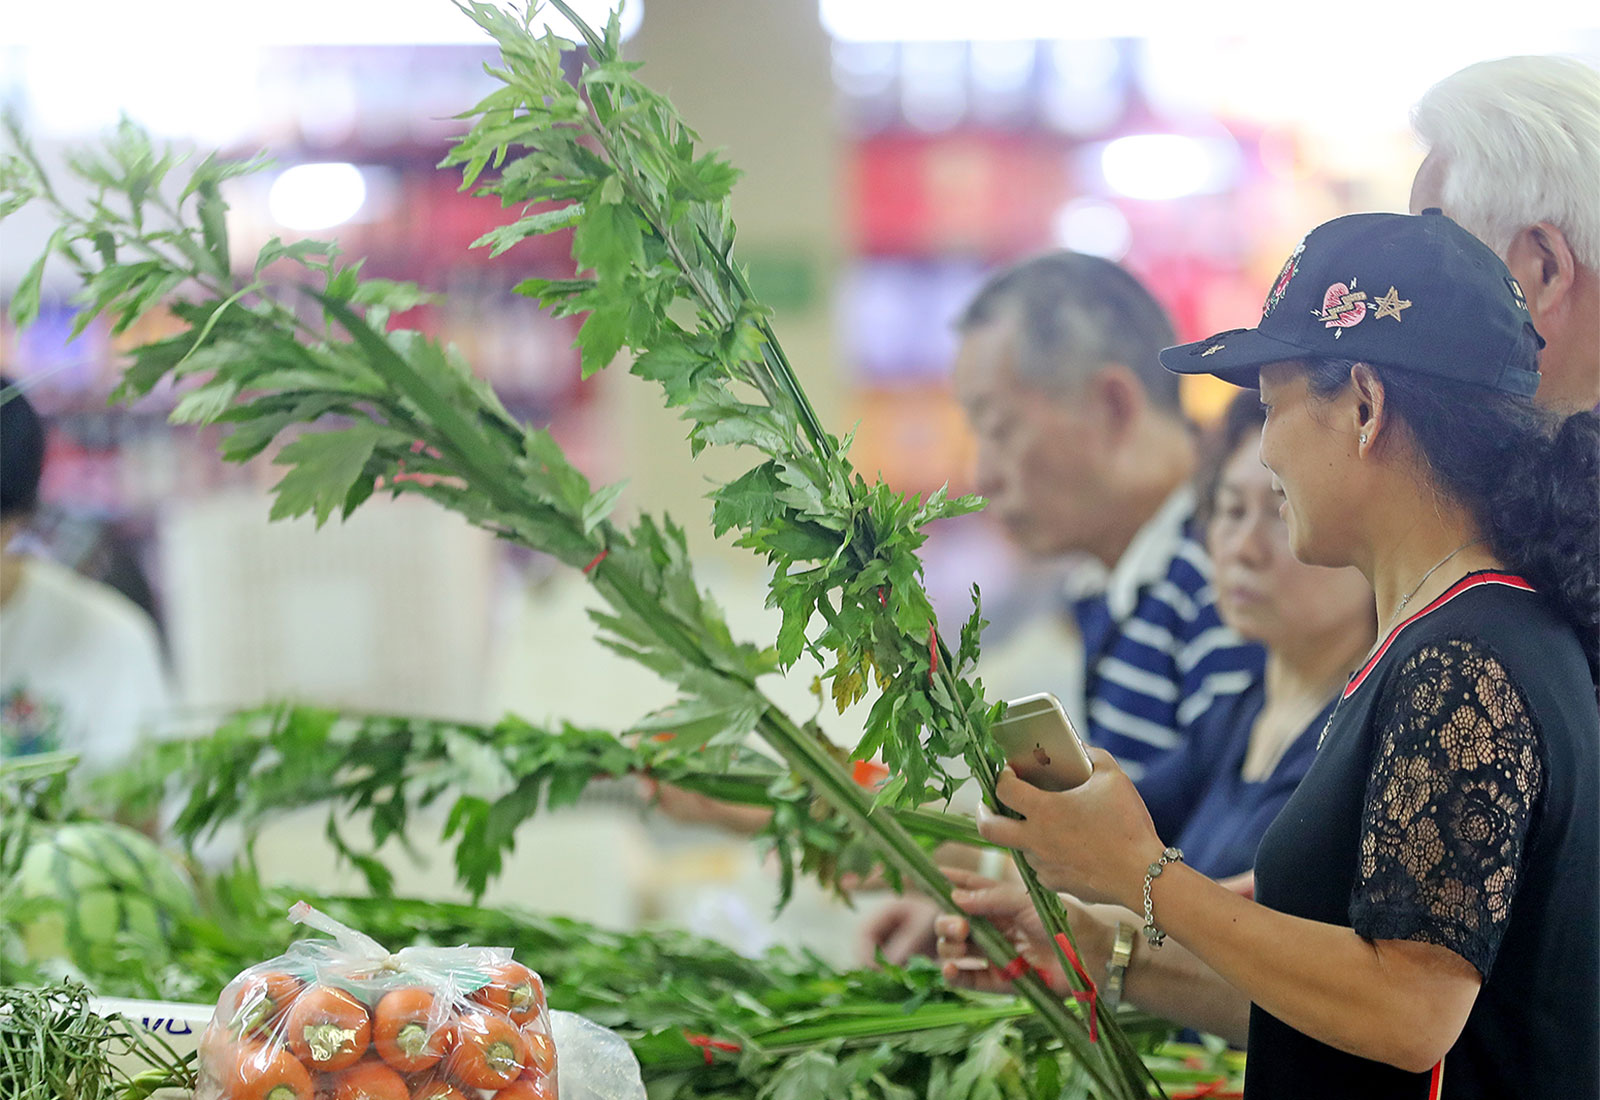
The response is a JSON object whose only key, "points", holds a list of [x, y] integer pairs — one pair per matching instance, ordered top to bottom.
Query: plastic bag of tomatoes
{"points": [[344, 1019]]}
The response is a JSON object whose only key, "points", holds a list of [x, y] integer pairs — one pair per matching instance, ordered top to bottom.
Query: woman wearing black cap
{"points": [[1426, 910]]}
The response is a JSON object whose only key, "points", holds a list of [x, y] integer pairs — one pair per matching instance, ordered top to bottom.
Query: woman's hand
{"points": [[1093, 841], [1008, 907], [901, 929]]}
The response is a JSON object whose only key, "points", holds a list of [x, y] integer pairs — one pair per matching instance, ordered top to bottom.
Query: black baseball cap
{"points": [[1414, 291]]}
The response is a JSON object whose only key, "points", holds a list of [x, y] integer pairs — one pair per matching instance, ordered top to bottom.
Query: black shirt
{"points": [[1453, 802]]}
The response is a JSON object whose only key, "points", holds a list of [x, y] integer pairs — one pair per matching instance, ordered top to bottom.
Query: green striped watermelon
{"points": [[112, 888]]}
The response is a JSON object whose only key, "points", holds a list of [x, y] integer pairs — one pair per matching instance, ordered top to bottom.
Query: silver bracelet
{"points": [[1153, 872]]}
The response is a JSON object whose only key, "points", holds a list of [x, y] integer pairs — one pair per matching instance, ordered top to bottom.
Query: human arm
{"points": [[1171, 983], [1400, 993]]}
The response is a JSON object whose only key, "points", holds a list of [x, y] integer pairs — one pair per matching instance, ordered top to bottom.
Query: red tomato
{"points": [[514, 990], [253, 1006], [327, 1029], [402, 1032], [541, 1050], [489, 1051], [259, 1071], [370, 1080], [529, 1087], [436, 1088]]}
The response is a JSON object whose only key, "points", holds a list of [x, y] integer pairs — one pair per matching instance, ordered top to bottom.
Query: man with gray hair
{"points": [[1514, 157], [1083, 448]]}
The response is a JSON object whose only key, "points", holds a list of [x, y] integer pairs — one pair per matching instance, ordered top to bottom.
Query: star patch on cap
{"points": [[1390, 305]]}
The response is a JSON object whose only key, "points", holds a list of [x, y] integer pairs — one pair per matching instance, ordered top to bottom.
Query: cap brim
{"points": [[1236, 356]]}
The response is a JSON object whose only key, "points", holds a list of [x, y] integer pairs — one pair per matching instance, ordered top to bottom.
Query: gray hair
{"points": [[1519, 139], [1074, 314]]}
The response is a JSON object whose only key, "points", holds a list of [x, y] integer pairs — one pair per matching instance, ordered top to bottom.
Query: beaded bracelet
{"points": [[1153, 872]]}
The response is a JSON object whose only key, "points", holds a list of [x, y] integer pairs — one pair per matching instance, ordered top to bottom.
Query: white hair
{"points": [[1519, 142]]}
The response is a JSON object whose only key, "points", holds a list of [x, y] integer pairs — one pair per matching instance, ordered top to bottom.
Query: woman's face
{"points": [[1307, 448], [1263, 591]]}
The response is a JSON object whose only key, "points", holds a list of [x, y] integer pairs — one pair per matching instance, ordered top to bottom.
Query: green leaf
{"points": [[214, 228], [506, 236], [608, 241], [394, 296], [25, 299], [601, 337], [679, 369], [205, 404], [324, 466], [747, 502], [599, 506], [808, 1076]]}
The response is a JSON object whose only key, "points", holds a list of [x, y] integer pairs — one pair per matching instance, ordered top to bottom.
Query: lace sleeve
{"points": [[1455, 779]]}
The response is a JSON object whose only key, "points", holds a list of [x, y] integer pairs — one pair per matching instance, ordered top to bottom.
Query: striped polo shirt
{"points": [[1156, 656]]}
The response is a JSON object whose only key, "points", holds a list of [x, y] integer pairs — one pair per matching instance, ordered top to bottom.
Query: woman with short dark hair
{"points": [[1426, 910]]}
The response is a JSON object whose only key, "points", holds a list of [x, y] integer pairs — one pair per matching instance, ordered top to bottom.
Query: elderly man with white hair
{"points": [[1514, 157]]}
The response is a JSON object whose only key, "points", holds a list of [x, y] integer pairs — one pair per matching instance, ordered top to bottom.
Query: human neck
{"points": [[1163, 460], [1422, 562], [1310, 669]]}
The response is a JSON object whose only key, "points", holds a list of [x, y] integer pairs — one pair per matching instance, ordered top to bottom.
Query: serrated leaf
{"points": [[546, 221], [607, 240], [394, 296], [25, 299], [601, 338], [205, 404], [324, 465], [747, 502], [599, 506]]}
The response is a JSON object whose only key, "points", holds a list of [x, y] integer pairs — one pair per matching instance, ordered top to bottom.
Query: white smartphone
{"points": [[1040, 744]]}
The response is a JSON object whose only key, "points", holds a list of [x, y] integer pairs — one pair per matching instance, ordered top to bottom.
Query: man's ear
{"points": [[1541, 260], [1121, 400], [1368, 418]]}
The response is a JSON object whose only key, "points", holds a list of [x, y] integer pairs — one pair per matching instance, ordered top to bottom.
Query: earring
{"points": [[1363, 437]]}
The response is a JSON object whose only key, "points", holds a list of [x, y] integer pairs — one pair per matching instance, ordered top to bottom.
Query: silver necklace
{"points": [[1401, 606], [1398, 610]]}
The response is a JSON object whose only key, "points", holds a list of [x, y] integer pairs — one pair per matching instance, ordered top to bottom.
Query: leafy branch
{"points": [[652, 223], [357, 407], [489, 779]]}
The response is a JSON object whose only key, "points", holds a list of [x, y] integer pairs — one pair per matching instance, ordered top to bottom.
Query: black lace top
{"points": [[1452, 790], [1453, 802]]}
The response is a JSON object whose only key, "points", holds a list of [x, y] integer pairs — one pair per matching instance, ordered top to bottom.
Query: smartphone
{"points": [[1040, 744]]}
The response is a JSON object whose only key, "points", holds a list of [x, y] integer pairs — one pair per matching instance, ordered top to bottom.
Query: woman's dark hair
{"points": [[1241, 420], [21, 451], [1530, 478]]}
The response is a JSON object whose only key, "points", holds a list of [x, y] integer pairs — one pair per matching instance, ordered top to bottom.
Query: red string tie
{"points": [[598, 558], [883, 600], [933, 652], [1088, 996], [707, 1044]]}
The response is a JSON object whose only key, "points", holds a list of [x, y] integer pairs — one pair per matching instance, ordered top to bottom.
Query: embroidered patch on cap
{"points": [[1290, 266], [1516, 292], [1390, 305], [1342, 306]]}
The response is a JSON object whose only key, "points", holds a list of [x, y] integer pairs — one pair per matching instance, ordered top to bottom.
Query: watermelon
{"points": [[108, 888]]}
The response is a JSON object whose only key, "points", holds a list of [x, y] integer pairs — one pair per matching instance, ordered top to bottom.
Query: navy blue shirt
{"points": [[1200, 802]]}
